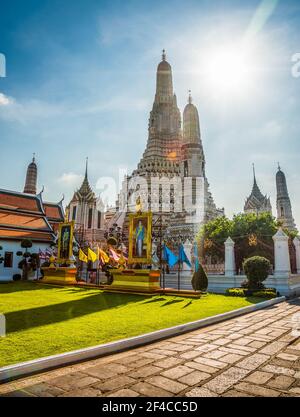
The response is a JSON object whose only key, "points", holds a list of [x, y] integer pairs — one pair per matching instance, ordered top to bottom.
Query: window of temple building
{"points": [[194, 184], [282, 211], [74, 212], [90, 218], [99, 220], [8, 259]]}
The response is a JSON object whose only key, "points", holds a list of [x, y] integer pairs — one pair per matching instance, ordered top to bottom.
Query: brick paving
{"points": [[253, 355]]}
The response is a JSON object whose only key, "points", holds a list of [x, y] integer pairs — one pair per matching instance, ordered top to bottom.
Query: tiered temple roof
{"points": [[257, 202], [22, 216]]}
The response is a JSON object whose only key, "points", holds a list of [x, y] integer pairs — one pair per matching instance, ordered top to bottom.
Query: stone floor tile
{"points": [[256, 344], [272, 348], [236, 351], [191, 354], [215, 354], [287, 357], [231, 358], [253, 361], [141, 362], [168, 362], [210, 362], [201, 367], [278, 370], [144, 371], [177, 372], [259, 377], [194, 378], [225, 380], [281, 382], [114, 383], [167, 384], [44, 390], [148, 390], [253, 390], [83, 392], [200, 392], [124, 393], [234, 393]]}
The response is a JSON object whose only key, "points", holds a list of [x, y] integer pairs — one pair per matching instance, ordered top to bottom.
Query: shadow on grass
{"points": [[11, 287], [154, 300], [174, 301], [187, 304], [41, 316]]}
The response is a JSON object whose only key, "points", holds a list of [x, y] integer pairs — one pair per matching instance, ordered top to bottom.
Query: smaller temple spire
{"points": [[163, 57], [190, 100], [86, 167], [279, 169], [254, 176], [31, 178]]}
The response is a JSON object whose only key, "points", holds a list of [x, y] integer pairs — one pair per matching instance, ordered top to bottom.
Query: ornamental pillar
{"points": [[296, 242], [281, 254], [229, 257]]}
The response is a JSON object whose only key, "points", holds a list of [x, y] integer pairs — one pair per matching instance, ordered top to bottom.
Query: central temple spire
{"points": [[164, 84]]}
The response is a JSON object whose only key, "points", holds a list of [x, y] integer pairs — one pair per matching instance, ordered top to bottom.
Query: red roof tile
{"points": [[16, 201], [53, 211], [23, 220], [25, 234]]}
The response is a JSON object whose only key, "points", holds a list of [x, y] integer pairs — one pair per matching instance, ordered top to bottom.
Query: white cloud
{"points": [[4, 100], [70, 179]]}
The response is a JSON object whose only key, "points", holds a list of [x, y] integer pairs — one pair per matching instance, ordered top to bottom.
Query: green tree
{"points": [[252, 234]]}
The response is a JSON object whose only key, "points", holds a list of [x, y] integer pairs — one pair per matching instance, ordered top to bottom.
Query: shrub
{"points": [[26, 243], [257, 270], [16, 277], [199, 280], [235, 292], [242, 292], [266, 293]]}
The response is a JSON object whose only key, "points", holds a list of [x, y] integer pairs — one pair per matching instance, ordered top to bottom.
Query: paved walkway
{"points": [[254, 355]]}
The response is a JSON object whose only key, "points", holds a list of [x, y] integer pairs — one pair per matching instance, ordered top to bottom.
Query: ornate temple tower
{"points": [[169, 158], [31, 178], [257, 202], [284, 207], [86, 210]]}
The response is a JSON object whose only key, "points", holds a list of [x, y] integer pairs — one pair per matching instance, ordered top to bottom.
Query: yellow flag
{"points": [[91, 255], [82, 256], [104, 257]]}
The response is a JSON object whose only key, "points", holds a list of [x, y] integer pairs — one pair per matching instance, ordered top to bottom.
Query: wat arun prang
{"points": [[170, 178]]}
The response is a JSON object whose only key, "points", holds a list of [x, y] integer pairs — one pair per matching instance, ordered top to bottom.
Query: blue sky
{"points": [[81, 80]]}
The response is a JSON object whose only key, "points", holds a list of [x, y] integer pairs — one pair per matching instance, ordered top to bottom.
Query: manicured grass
{"points": [[44, 320]]}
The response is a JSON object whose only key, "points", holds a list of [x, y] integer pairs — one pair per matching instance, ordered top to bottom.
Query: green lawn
{"points": [[44, 320]]}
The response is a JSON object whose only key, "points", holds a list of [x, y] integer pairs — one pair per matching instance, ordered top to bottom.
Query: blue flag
{"points": [[169, 256], [183, 257], [196, 257]]}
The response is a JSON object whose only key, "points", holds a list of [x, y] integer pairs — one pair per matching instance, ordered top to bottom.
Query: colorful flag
{"points": [[91, 255], [114, 255], [82, 256], [169, 256], [196, 256], [183, 257], [104, 258]]}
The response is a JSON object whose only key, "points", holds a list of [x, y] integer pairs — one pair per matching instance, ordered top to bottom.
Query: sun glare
{"points": [[229, 69]]}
